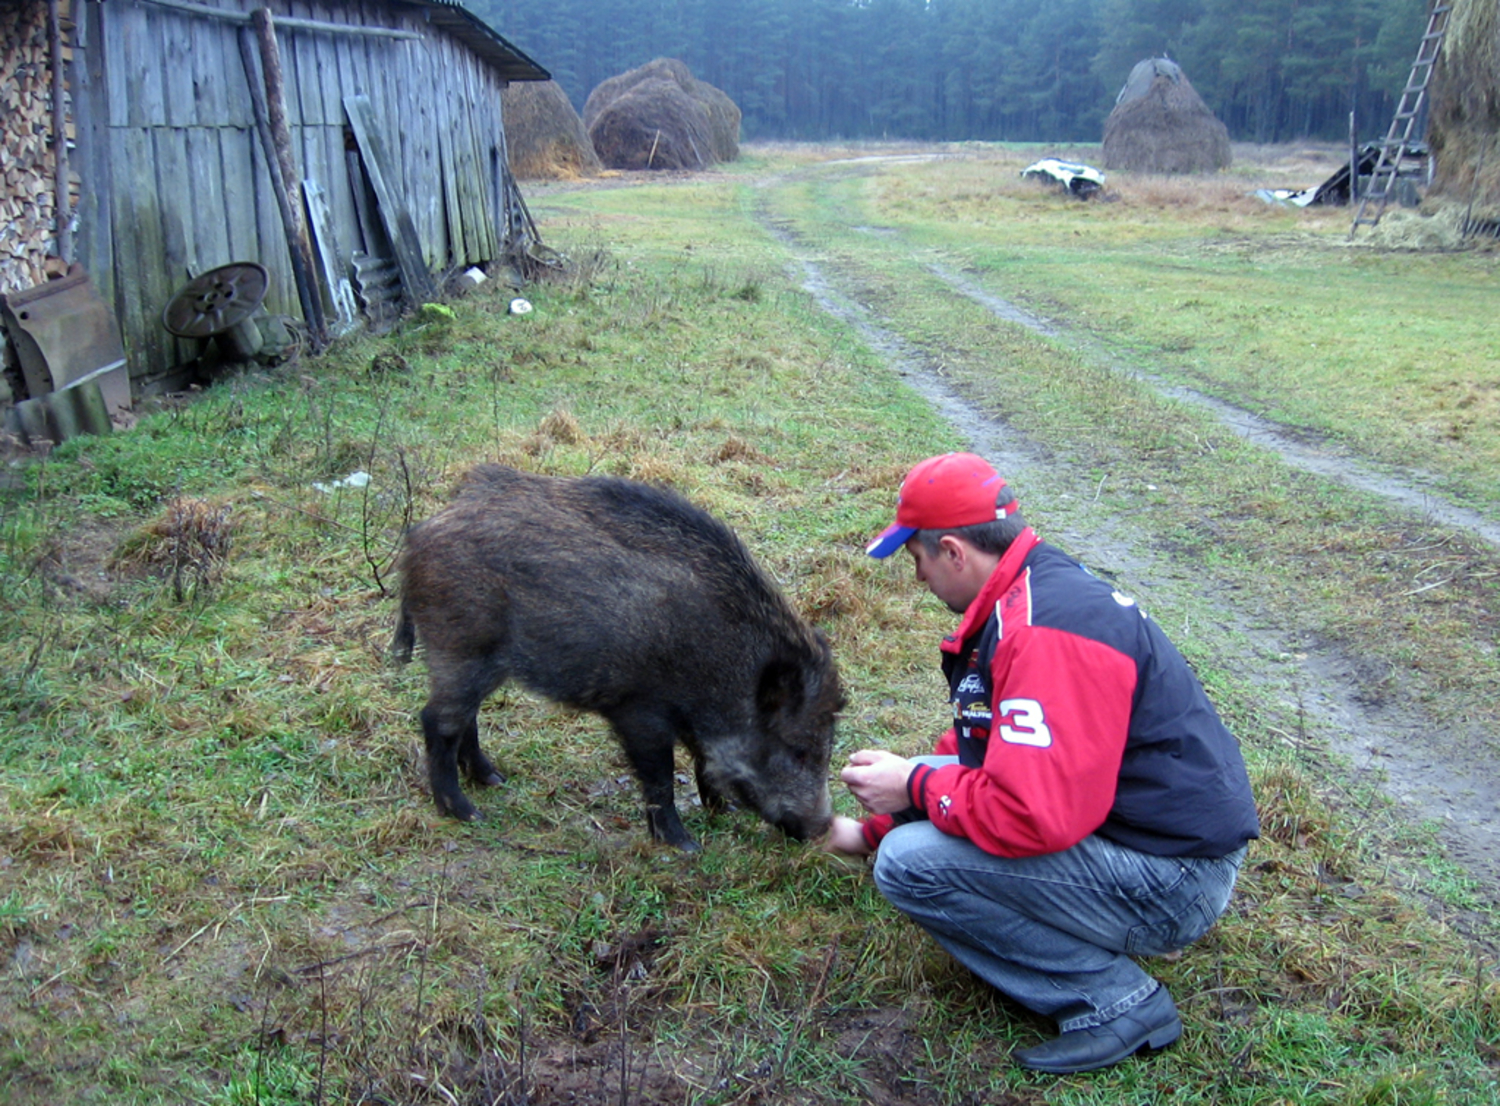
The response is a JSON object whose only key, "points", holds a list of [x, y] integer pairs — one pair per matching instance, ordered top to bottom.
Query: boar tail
{"points": [[405, 636]]}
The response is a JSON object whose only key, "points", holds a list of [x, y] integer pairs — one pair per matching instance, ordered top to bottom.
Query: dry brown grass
{"points": [[1465, 110], [1164, 127], [544, 136], [983, 187], [1201, 194], [1438, 226], [561, 426], [736, 448], [656, 467], [189, 541], [834, 589]]}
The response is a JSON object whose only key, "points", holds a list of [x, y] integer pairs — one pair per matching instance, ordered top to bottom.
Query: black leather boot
{"points": [[1150, 1024]]}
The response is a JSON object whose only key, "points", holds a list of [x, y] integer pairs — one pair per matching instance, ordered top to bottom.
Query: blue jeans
{"points": [[1057, 932]]}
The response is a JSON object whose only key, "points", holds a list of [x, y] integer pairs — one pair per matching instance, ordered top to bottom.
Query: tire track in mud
{"points": [[1388, 744]]}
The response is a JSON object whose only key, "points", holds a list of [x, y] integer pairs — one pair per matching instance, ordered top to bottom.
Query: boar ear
{"points": [[829, 688], [781, 689]]}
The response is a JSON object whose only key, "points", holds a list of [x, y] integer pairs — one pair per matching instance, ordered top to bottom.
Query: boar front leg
{"points": [[649, 739], [713, 800]]}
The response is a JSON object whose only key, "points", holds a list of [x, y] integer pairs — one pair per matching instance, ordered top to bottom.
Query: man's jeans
{"points": [[1056, 932]]}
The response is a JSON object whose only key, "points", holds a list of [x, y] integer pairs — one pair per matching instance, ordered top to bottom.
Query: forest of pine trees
{"points": [[1011, 70]]}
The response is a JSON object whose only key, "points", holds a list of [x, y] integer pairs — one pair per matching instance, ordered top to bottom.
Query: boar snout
{"points": [[803, 813], [808, 827]]}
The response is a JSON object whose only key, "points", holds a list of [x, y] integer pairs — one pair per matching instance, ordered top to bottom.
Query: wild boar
{"points": [[625, 599]]}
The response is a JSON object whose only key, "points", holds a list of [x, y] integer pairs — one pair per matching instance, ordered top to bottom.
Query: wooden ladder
{"points": [[1398, 138]]}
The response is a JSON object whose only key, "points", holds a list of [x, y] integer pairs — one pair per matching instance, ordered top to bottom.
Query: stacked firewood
{"points": [[28, 233]]}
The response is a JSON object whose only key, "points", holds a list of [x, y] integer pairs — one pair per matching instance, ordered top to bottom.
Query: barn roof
{"points": [[504, 56], [507, 58]]}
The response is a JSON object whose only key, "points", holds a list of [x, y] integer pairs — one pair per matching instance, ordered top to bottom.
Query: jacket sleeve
{"points": [[1061, 714], [877, 826]]}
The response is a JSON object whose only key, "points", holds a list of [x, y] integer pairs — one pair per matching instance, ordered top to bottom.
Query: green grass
{"points": [[222, 881]]}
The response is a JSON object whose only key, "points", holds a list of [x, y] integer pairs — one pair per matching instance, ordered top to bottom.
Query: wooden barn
{"points": [[339, 157]]}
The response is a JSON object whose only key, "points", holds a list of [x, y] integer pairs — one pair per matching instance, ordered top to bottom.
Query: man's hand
{"points": [[878, 780], [845, 836]]}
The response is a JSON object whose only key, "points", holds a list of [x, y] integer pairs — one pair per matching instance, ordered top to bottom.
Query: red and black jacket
{"points": [[1073, 714]]}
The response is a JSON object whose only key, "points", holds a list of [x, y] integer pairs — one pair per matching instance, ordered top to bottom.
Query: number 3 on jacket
{"points": [[1023, 723]]}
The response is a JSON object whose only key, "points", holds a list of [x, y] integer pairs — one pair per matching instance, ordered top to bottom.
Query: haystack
{"points": [[661, 117], [1161, 125], [1463, 130], [544, 134]]}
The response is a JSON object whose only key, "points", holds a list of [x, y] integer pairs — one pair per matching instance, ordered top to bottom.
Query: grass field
{"points": [[222, 880]]}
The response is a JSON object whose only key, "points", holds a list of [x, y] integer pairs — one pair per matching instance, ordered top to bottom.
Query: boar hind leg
{"points": [[450, 726], [446, 731], [649, 739], [473, 762]]}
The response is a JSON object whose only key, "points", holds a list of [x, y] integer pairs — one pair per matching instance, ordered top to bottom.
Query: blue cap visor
{"points": [[890, 540]]}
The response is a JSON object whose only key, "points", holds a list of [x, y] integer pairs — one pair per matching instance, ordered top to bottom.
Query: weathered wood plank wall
{"points": [[184, 181]]}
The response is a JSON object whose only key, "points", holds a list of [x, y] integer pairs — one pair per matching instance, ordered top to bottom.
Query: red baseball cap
{"points": [[943, 493]]}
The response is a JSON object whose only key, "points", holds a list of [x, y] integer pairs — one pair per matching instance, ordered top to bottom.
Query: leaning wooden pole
{"points": [[276, 137], [63, 204]]}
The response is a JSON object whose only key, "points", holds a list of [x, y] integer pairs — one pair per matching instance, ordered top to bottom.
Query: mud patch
{"points": [[884, 1050]]}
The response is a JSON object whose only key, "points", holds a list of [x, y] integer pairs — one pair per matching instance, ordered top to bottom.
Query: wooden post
{"points": [[276, 137], [1353, 161], [62, 207], [1468, 224]]}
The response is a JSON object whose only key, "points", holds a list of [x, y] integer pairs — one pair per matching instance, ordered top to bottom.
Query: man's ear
{"points": [[954, 550]]}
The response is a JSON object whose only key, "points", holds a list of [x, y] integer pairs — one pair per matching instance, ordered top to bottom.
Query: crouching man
{"points": [[1087, 807]]}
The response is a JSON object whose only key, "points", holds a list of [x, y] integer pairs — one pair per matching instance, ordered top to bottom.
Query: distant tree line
{"points": [[1011, 70]]}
